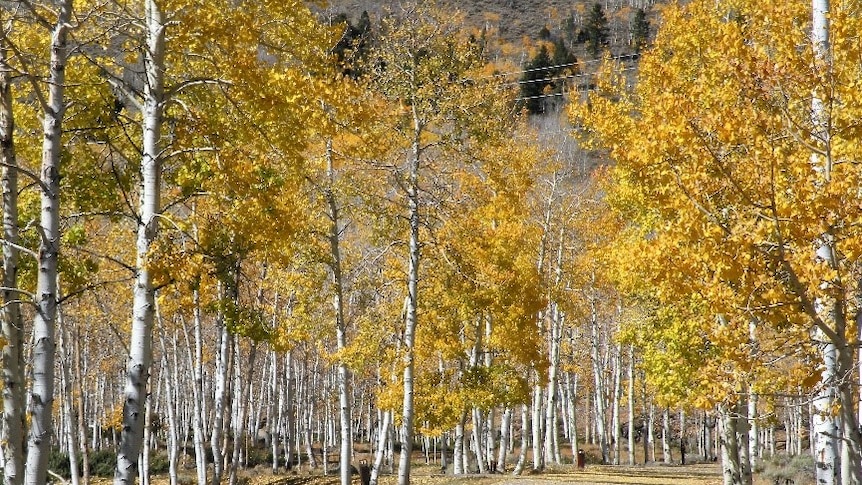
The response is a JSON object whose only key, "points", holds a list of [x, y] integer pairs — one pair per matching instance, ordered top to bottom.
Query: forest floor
{"points": [[699, 474]]}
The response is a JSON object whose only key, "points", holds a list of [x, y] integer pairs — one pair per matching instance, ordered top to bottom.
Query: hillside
{"points": [[515, 20]]}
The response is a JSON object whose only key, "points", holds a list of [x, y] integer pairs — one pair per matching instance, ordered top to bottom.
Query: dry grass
{"points": [[702, 474]]}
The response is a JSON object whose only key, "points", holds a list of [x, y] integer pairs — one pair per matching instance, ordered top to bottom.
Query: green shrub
{"points": [[258, 456], [59, 463], [103, 463], [159, 463], [787, 470]]}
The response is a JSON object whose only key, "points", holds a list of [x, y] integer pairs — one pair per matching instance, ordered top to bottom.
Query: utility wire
{"points": [[559, 66], [547, 79], [578, 88]]}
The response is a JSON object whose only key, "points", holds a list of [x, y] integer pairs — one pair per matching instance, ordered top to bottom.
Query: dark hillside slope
{"points": [[517, 19]]}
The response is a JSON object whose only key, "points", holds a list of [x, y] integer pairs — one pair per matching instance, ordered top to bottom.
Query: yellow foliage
{"points": [[714, 175]]}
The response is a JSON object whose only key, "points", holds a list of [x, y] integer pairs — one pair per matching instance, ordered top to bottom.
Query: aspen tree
{"points": [[419, 53], [748, 252], [12, 321], [140, 346], [40, 412]]}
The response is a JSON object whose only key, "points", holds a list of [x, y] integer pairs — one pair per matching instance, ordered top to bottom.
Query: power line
{"points": [[560, 66], [547, 79], [578, 89]]}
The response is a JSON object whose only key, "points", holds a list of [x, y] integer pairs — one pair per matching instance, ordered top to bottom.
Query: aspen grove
{"points": [[259, 235]]}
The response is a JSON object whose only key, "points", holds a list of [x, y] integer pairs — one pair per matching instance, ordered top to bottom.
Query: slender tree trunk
{"points": [[410, 320], [44, 321], [140, 348], [196, 363], [12, 365], [598, 374], [572, 389], [344, 390], [242, 393], [551, 394], [220, 398], [171, 401], [631, 403], [68, 404], [287, 405], [615, 409], [275, 410], [82, 426], [505, 426], [525, 432], [651, 432], [383, 436], [665, 436], [742, 441], [478, 442], [851, 444], [538, 455], [144, 457], [730, 465], [459, 467]]}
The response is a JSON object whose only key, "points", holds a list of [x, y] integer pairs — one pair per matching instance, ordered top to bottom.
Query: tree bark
{"points": [[410, 320], [11, 321], [44, 321], [140, 348], [195, 359], [344, 389], [242, 393], [551, 393], [220, 397], [631, 403], [505, 426], [71, 428], [525, 432], [383, 436], [665, 436], [538, 454], [459, 467], [731, 467]]}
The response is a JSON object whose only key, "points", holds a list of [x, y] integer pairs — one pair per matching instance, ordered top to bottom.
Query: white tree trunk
{"points": [[410, 319], [44, 321], [140, 348], [195, 359], [12, 366], [344, 390], [572, 390], [551, 393], [242, 394], [172, 397], [220, 397], [599, 398], [631, 398], [81, 403], [275, 410], [615, 410], [290, 412], [824, 424], [505, 427], [71, 428], [525, 433], [383, 436], [665, 436], [743, 436], [478, 441], [458, 465], [730, 466]]}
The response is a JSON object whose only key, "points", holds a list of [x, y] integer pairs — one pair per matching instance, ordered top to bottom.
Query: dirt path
{"points": [[704, 474], [657, 475]]}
